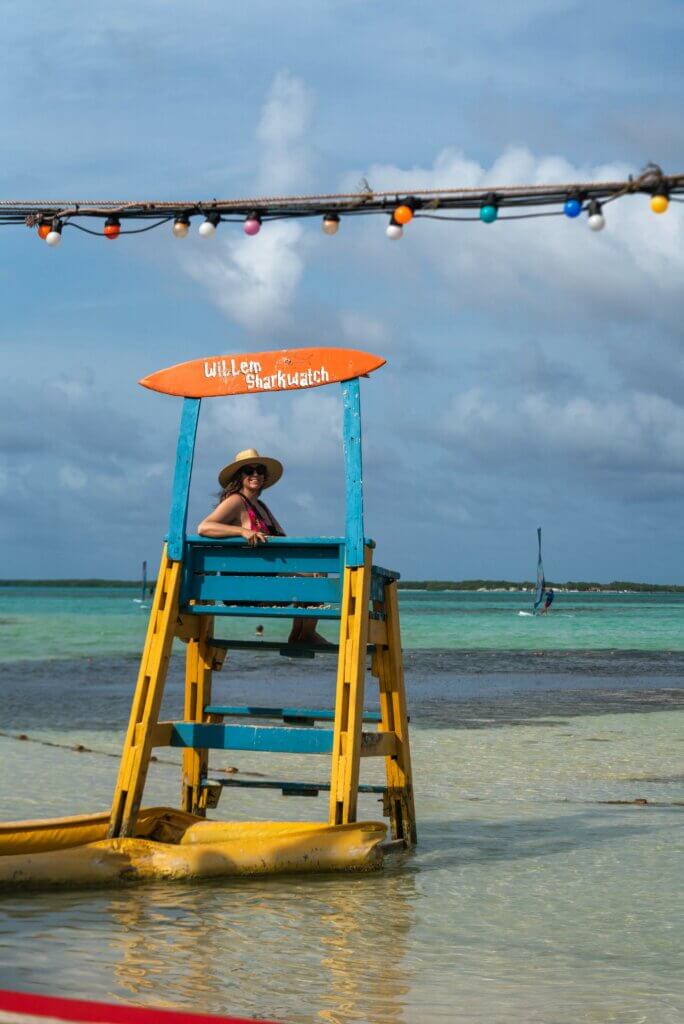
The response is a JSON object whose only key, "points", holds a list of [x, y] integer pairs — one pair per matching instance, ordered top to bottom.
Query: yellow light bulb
{"points": [[659, 203]]}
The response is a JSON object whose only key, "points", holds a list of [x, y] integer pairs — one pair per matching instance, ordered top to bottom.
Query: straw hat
{"points": [[274, 469]]}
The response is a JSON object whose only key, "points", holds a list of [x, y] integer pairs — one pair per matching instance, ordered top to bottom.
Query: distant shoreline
{"points": [[484, 586]]}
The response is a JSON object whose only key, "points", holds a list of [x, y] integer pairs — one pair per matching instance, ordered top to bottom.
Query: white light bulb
{"points": [[596, 222], [331, 225], [180, 228], [207, 229], [394, 231], [53, 238]]}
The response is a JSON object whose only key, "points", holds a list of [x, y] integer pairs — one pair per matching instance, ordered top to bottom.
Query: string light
{"points": [[660, 200], [506, 202], [572, 207], [489, 210], [403, 214], [595, 219], [331, 224], [181, 225], [252, 225], [112, 227], [207, 228], [394, 231], [54, 235]]}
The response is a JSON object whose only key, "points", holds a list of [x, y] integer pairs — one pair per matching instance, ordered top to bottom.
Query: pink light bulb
{"points": [[252, 225]]}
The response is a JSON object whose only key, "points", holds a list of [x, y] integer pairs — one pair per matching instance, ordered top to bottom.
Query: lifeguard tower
{"points": [[201, 580]]}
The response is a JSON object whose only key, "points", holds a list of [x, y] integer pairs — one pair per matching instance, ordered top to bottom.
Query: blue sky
{"points": [[535, 370]]}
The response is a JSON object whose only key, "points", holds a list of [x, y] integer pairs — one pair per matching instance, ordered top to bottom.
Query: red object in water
{"points": [[24, 1006]]}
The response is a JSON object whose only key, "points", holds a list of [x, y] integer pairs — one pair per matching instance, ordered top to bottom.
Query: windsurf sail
{"points": [[144, 581], [541, 582]]}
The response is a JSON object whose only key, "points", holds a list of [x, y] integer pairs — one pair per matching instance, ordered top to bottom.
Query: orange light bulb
{"points": [[403, 214], [44, 231]]}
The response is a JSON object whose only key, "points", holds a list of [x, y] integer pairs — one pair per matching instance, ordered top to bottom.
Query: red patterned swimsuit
{"points": [[257, 521]]}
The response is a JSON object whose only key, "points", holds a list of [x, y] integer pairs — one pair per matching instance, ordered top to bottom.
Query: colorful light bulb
{"points": [[660, 201], [572, 207], [488, 213], [403, 214], [252, 225], [112, 227], [43, 231]]}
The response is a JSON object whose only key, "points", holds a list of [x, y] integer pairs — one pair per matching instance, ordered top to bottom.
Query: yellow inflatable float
{"points": [[200, 581], [171, 844]]}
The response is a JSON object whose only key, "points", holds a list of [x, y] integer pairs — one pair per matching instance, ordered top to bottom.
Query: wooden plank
{"points": [[259, 372], [351, 440], [185, 451], [266, 558], [270, 589], [263, 612], [377, 633], [389, 663], [198, 680], [147, 700], [311, 714], [276, 739], [346, 750], [289, 788]]}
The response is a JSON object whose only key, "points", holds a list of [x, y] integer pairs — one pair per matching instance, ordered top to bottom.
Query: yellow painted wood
{"points": [[377, 632], [199, 662], [388, 666], [351, 670], [147, 699], [378, 744]]}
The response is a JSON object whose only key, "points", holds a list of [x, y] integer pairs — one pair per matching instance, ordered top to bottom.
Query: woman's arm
{"points": [[224, 521]]}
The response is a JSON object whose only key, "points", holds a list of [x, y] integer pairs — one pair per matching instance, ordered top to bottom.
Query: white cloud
{"points": [[283, 134], [548, 267], [252, 280]]}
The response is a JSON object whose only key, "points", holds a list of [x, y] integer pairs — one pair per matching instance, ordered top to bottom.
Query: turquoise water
{"points": [[71, 622], [539, 892]]}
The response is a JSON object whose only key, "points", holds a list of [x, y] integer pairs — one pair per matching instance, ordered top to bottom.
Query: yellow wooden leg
{"points": [[388, 666], [351, 669], [198, 678], [149, 690]]}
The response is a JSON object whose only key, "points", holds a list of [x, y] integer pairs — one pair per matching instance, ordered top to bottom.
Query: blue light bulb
{"points": [[572, 207], [488, 213]]}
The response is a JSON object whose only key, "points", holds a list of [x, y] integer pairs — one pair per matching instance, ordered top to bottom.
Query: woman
{"points": [[242, 513]]}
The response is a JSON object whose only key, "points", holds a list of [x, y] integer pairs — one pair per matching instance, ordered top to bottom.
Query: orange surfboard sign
{"points": [[259, 372]]}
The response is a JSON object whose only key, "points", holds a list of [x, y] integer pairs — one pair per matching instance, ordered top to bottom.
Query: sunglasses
{"points": [[251, 470]]}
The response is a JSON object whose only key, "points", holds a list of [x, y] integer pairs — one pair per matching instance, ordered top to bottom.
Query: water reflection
{"points": [[307, 949]]}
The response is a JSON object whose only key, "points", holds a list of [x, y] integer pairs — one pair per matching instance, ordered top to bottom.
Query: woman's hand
{"points": [[253, 537]]}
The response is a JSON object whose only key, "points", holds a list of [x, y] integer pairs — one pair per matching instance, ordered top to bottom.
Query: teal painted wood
{"points": [[185, 452], [353, 469], [194, 538], [266, 559], [388, 574], [323, 590], [264, 612], [281, 646], [287, 714], [275, 739], [287, 788]]}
